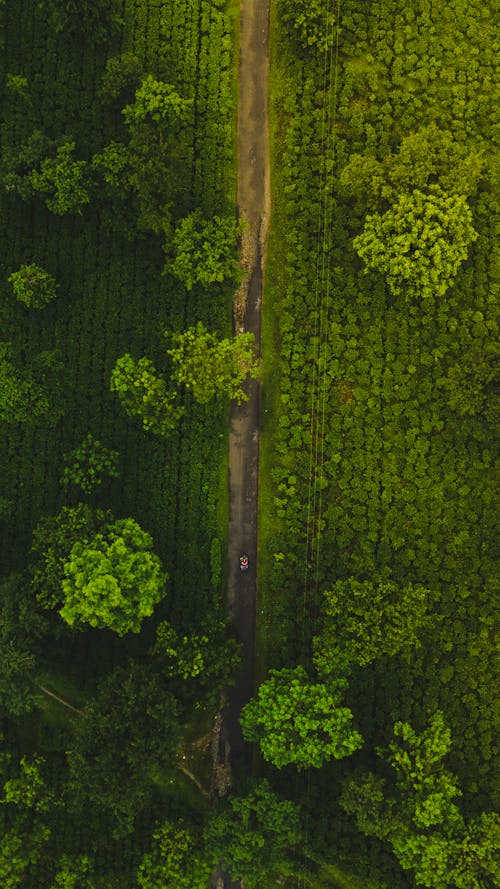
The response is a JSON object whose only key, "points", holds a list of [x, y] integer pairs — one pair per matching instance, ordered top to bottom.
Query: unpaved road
{"points": [[254, 208]]}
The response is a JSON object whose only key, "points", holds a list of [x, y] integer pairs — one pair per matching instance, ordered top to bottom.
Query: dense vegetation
{"points": [[117, 154], [379, 561]]}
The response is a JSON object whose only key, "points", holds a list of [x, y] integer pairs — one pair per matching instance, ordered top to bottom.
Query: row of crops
{"points": [[384, 455]]}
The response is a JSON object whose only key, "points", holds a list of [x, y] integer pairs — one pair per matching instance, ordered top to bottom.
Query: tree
{"points": [[311, 22], [121, 75], [157, 101], [19, 162], [62, 181], [419, 243], [205, 250], [33, 286], [209, 366], [472, 384], [145, 394], [23, 399], [89, 463], [53, 540], [113, 580], [370, 618], [22, 627], [299, 722], [127, 739], [421, 821], [252, 836], [175, 859]]}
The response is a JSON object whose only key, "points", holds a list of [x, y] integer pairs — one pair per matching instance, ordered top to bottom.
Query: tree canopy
{"points": [[205, 250], [33, 286], [145, 394], [112, 581], [299, 722], [175, 859]]}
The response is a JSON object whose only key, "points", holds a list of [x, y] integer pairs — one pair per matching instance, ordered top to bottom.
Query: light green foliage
{"points": [[311, 22], [122, 74], [157, 101], [427, 156], [62, 181], [420, 243], [205, 250], [33, 286], [209, 366], [145, 394], [23, 399], [89, 463], [53, 540], [112, 581], [371, 618], [300, 722], [423, 823], [251, 836], [19, 850], [175, 859]]}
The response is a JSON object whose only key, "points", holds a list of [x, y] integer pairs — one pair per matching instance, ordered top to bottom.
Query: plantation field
{"points": [[383, 449]]}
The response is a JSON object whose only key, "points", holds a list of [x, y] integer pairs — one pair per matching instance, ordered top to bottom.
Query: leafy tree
{"points": [[311, 22], [121, 75], [158, 101], [424, 158], [19, 162], [113, 165], [62, 180], [419, 243], [205, 250], [33, 286], [209, 366], [23, 389], [145, 394], [89, 463], [53, 540], [113, 580], [370, 618], [22, 627], [209, 661], [300, 722], [127, 739], [28, 789], [25, 800], [422, 821], [251, 836], [175, 859], [74, 873]]}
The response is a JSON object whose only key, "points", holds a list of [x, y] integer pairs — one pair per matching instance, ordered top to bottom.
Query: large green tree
{"points": [[62, 181], [419, 243], [205, 250], [33, 286], [209, 366], [145, 394], [112, 581], [371, 618], [300, 722], [420, 819], [252, 836], [176, 858]]}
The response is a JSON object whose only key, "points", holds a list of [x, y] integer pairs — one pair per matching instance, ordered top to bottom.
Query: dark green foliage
{"points": [[93, 17], [310, 22], [121, 76], [62, 181], [33, 286], [24, 393], [145, 394], [89, 464], [22, 628], [127, 738], [253, 836]]}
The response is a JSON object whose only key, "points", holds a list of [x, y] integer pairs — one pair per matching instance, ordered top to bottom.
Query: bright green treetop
{"points": [[157, 101], [419, 243], [33, 286], [209, 366], [113, 581], [298, 721], [174, 860]]}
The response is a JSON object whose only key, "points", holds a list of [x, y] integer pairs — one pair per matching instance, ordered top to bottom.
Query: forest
{"points": [[375, 720]]}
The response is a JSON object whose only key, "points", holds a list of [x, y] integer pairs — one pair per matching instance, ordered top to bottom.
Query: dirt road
{"points": [[254, 207]]}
